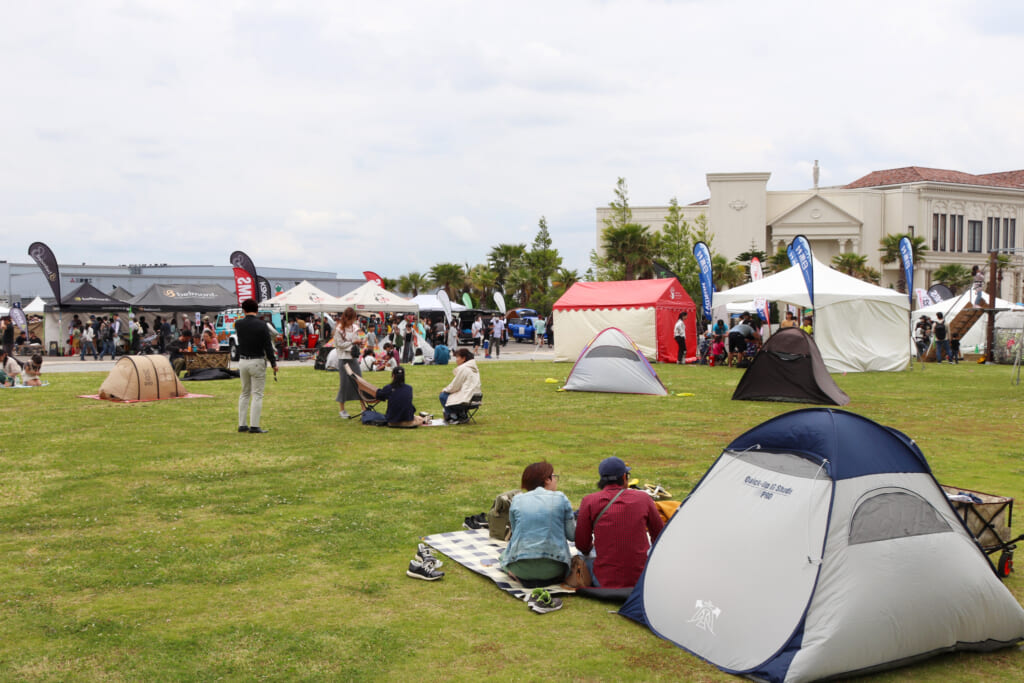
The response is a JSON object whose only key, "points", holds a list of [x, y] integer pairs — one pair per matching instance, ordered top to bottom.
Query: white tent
{"points": [[306, 298], [369, 298], [430, 302], [36, 306], [858, 327], [974, 337], [818, 545]]}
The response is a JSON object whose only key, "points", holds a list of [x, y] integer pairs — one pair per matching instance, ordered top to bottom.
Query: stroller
{"points": [[148, 345]]}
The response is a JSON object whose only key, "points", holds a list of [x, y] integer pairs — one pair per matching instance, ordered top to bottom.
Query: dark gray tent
{"points": [[87, 298], [185, 298], [789, 368]]}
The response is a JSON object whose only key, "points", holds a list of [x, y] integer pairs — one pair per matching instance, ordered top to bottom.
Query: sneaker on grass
{"points": [[424, 553], [426, 570], [541, 602]]}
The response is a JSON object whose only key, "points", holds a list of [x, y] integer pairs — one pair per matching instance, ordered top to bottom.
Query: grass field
{"points": [[153, 542]]}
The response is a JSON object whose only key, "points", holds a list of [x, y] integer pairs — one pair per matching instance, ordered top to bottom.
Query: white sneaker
{"points": [[344, 415]]}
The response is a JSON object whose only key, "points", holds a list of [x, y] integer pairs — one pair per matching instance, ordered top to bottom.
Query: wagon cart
{"points": [[988, 517]]}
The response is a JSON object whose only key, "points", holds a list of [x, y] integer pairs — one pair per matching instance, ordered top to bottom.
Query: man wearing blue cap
{"points": [[616, 522]]}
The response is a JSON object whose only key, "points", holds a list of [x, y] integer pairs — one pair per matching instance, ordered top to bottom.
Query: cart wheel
{"points": [[1005, 566]]}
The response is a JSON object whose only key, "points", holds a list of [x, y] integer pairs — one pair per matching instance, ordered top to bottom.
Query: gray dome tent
{"points": [[789, 368], [818, 545]]}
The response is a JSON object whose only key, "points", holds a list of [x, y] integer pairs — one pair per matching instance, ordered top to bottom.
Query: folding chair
{"points": [[367, 392], [468, 409]]}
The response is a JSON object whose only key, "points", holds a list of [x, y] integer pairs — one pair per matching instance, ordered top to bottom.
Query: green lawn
{"points": [[153, 542]]}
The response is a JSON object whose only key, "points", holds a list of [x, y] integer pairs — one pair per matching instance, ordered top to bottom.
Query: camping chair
{"points": [[367, 392], [468, 410]]}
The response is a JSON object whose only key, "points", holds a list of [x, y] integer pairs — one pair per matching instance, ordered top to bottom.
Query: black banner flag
{"points": [[44, 258]]}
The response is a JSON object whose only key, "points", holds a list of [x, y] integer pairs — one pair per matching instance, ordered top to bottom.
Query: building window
{"points": [[935, 232], [1009, 232], [956, 233], [993, 233], [974, 236]]}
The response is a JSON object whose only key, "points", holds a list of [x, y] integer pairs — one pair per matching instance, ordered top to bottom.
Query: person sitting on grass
{"points": [[9, 368], [32, 371], [462, 388], [401, 412], [542, 522], [616, 522]]}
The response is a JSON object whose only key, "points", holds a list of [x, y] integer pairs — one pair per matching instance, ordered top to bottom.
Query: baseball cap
{"points": [[612, 467]]}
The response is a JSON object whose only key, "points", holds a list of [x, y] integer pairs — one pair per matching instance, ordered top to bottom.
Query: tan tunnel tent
{"points": [[142, 378]]}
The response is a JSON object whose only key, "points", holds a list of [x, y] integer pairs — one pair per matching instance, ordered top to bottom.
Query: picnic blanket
{"points": [[25, 386], [144, 400], [477, 551]]}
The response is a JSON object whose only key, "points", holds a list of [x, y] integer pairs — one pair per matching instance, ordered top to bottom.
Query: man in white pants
{"points": [[255, 348]]}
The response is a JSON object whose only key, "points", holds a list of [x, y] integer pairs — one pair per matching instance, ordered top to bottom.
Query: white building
{"points": [[961, 216]]}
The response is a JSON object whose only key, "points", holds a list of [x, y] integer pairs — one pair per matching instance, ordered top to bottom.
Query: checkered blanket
{"points": [[477, 551]]}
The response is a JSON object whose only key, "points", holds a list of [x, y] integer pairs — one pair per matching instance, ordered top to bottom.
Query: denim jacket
{"points": [[541, 522]]}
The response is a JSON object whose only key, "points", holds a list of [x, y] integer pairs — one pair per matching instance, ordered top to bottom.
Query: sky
{"points": [[390, 136]]}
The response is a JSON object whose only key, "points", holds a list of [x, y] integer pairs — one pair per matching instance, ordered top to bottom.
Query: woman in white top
{"points": [[347, 343]]}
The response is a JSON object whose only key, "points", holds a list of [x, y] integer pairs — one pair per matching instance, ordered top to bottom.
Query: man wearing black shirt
{"points": [[255, 348]]}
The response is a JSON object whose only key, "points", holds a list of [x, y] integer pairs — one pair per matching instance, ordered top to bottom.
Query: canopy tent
{"points": [[121, 294], [87, 298], [185, 298], [305, 298], [369, 298], [431, 302], [37, 306], [646, 310], [858, 327], [976, 335]]}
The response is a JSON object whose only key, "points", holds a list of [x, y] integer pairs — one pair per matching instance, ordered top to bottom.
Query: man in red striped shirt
{"points": [[616, 521]]}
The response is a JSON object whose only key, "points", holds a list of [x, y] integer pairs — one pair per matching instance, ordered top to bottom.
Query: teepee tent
{"points": [[613, 363], [789, 368], [142, 378], [819, 544]]}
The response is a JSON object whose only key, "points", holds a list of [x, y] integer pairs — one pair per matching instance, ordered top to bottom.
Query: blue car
{"points": [[521, 329]]}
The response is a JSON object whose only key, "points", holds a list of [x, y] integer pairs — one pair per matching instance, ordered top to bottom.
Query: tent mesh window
{"points": [[613, 352], [894, 514]]}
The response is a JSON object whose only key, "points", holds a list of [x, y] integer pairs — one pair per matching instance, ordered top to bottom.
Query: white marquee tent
{"points": [[307, 298], [369, 298], [430, 302], [36, 306], [858, 327], [974, 337]]}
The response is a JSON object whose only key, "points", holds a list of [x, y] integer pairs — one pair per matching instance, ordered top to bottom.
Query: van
{"points": [[225, 328]]}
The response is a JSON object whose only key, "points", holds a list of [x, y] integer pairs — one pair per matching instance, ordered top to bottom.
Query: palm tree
{"points": [[632, 246], [891, 254], [504, 258], [779, 261], [850, 263], [727, 274], [953, 275], [450, 277], [565, 278], [482, 280], [413, 282]]}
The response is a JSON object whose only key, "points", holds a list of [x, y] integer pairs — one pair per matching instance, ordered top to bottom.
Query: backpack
{"points": [[372, 417], [497, 517]]}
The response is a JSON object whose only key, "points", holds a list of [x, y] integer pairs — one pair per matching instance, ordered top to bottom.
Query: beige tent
{"points": [[142, 378]]}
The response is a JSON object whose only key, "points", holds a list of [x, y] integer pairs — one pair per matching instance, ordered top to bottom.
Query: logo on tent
{"points": [[704, 617]]}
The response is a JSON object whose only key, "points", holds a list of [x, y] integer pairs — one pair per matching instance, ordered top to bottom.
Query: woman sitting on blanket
{"points": [[32, 371], [401, 412], [541, 519]]}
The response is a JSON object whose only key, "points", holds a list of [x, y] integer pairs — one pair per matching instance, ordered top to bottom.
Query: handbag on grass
{"points": [[579, 575]]}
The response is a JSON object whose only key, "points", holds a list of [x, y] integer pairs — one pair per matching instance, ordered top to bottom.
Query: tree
{"points": [[632, 246], [751, 254], [891, 254], [504, 258], [542, 259], [779, 261], [856, 265], [725, 273], [953, 275], [451, 277], [565, 279], [482, 280], [413, 282]]}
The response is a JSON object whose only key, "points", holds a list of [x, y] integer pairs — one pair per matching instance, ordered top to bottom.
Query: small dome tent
{"points": [[613, 363], [789, 368], [142, 378], [820, 545]]}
